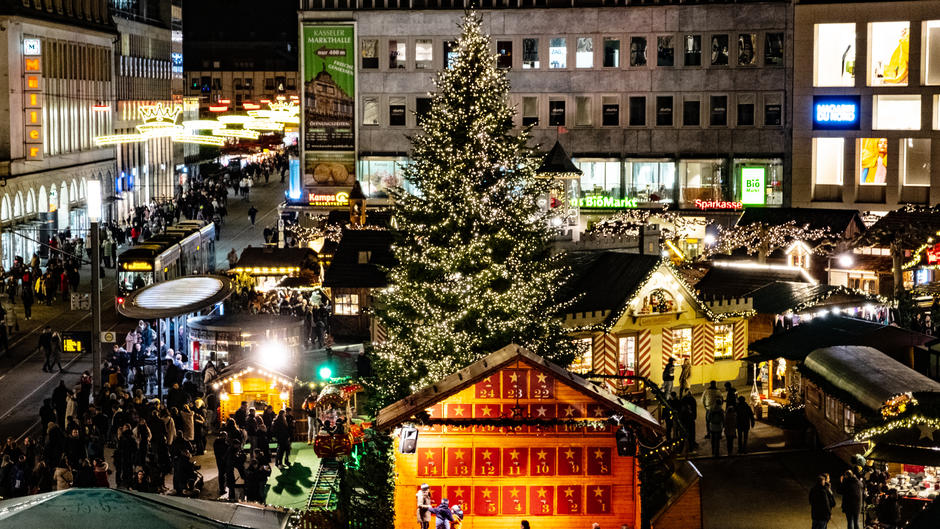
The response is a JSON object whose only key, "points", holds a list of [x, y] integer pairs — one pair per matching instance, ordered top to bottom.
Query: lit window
{"points": [[692, 45], [747, 49], [888, 50], [638, 51], [931, 51], [370, 53], [557, 53], [397, 54], [424, 54], [504, 54], [530, 54], [584, 54], [835, 55], [370, 111], [530, 111], [896, 112], [828, 160], [873, 161], [915, 161], [600, 177], [347, 304], [724, 341], [682, 342], [627, 353], [585, 355], [833, 409], [848, 425]]}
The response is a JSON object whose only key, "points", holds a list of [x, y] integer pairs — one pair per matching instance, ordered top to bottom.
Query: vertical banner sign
{"points": [[32, 98], [329, 143], [752, 185]]}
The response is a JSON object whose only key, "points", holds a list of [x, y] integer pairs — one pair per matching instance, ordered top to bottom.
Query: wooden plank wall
{"points": [[541, 475], [685, 513]]}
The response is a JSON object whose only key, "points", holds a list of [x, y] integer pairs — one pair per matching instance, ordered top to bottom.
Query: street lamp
{"points": [[93, 202]]}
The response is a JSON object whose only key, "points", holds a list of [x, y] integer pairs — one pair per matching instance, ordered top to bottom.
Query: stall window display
{"points": [[692, 45], [747, 49], [719, 50], [638, 51], [665, 51], [557, 53], [584, 53], [611, 53], [888, 53], [530, 54], [834, 55], [895, 112], [828, 160], [873, 161], [915, 161], [378, 174], [600, 177], [701, 180], [651, 181], [657, 302], [347, 304], [724, 341], [682, 342], [627, 354], [582, 362], [916, 482]]}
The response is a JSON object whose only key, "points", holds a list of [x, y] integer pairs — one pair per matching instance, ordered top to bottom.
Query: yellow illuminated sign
{"points": [[329, 199], [138, 266], [70, 345]]}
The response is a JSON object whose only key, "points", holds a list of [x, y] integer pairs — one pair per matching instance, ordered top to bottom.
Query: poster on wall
{"points": [[329, 143]]}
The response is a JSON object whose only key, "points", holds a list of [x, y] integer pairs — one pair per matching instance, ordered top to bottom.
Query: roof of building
{"points": [[81, 14], [557, 161], [845, 222], [908, 226], [274, 257], [361, 260], [606, 280], [732, 281], [176, 297], [780, 297], [235, 321], [798, 342], [862, 377], [405, 409]]}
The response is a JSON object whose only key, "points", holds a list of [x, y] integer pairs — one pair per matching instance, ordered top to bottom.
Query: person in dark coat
{"points": [[688, 414], [745, 417], [282, 435], [220, 449], [852, 495], [821, 502], [889, 510], [444, 515]]}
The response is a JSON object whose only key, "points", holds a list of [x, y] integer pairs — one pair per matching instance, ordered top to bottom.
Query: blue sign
{"points": [[177, 58], [836, 112], [294, 193]]}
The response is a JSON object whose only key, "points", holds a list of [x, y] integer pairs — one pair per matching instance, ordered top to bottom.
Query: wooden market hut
{"points": [[269, 265], [357, 270], [249, 381], [514, 436]]}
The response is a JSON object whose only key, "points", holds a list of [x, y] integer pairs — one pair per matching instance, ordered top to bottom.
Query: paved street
{"points": [[24, 383]]}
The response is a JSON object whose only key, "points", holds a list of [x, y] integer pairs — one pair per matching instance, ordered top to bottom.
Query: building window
{"points": [[692, 45], [747, 49], [773, 49], [719, 50], [888, 50], [638, 51], [665, 51], [931, 52], [450, 53], [557, 53], [584, 53], [611, 53], [370, 54], [397, 54], [424, 54], [504, 54], [530, 54], [835, 55], [269, 84], [422, 107], [745, 110], [773, 110], [370, 111], [396, 111], [530, 111], [610, 111], [637, 111], [663, 111], [896, 112], [556, 113], [691, 113], [718, 113], [583, 115], [828, 161], [873, 161], [915, 161], [770, 170], [378, 174], [600, 178], [701, 180], [651, 181], [347, 304], [724, 341], [682, 342], [626, 347], [582, 362], [833, 410], [848, 425]]}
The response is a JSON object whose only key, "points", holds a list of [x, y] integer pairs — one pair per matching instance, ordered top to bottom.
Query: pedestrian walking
{"points": [[252, 212], [232, 258], [28, 299], [45, 345], [56, 352], [685, 373], [668, 376], [709, 396], [688, 414], [715, 422], [745, 422], [731, 426], [852, 493], [821, 502]]}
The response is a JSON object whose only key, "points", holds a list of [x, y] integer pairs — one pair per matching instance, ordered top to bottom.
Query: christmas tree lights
{"points": [[475, 271]]}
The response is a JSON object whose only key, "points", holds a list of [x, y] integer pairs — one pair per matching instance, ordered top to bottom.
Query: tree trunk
{"points": [[897, 261]]}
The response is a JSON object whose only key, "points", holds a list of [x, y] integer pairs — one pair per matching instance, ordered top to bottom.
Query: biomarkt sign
{"points": [[717, 204]]}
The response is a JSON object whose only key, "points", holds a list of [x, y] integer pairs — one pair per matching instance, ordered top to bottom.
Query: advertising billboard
{"points": [[329, 98]]}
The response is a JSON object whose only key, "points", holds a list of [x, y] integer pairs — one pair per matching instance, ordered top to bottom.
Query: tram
{"points": [[187, 248]]}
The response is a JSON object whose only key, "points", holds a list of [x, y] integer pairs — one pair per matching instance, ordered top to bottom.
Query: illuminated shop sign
{"points": [[32, 93], [836, 112], [752, 185], [340, 198], [605, 202], [717, 204], [138, 266]]}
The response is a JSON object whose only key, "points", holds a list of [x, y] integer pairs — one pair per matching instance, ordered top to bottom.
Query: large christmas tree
{"points": [[475, 271]]}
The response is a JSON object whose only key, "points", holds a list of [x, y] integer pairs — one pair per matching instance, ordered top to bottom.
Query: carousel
{"points": [[335, 409]]}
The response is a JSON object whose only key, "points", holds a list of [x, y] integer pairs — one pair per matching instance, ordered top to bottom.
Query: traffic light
{"points": [[325, 372], [626, 443]]}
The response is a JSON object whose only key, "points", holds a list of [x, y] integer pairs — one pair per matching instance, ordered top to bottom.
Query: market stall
{"points": [[268, 266], [232, 338], [250, 382]]}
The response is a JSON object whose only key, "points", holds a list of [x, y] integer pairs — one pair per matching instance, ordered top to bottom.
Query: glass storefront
{"points": [[770, 170], [379, 173], [703, 180], [651, 181], [20, 240]]}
